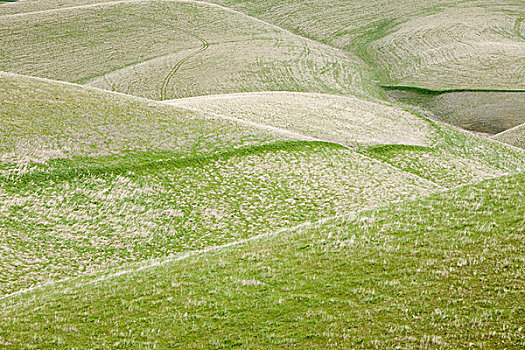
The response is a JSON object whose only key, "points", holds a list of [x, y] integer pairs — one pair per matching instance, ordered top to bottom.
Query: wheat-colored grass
{"points": [[432, 44], [445, 51], [347, 120], [514, 136], [431, 150]]}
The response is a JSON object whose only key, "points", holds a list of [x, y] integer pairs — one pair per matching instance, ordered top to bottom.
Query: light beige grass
{"points": [[25, 6], [439, 44], [464, 47], [347, 120], [514, 136]]}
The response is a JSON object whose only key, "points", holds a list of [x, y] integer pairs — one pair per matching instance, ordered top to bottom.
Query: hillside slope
{"points": [[429, 44], [170, 49], [348, 120], [514, 136], [436, 152], [262, 174], [100, 179], [117, 179], [442, 271]]}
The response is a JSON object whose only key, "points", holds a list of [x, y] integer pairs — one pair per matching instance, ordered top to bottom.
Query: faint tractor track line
{"points": [[166, 82]]}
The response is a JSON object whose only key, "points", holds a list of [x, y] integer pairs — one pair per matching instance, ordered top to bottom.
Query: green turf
{"points": [[437, 272]]}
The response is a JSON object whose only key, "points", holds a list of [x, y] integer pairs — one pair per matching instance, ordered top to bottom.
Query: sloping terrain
{"points": [[25, 6], [426, 44], [476, 46], [171, 49], [486, 112], [42, 120], [348, 120], [514, 136], [433, 151], [187, 174], [76, 179], [149, 180], [411, 275]]}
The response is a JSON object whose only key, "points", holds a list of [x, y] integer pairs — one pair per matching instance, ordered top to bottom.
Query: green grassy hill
{"points": [[433, 151], [186, 174], [118, 179], [415, 274]]}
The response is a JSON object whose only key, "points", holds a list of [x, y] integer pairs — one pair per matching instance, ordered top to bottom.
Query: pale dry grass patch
{"points": [[154, 49], [348, 120]]}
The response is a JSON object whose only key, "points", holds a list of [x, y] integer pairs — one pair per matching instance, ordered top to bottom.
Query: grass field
{"points": [[425, 44], [436, 45], [170, 49], [485, 112], [44, 120], [348, 120], [514, 136], [433, 151], [269, 175], [158, 179], [115, 191], [411, 275]]}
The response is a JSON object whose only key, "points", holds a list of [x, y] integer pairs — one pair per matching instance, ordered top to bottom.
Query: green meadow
{"points": [[262, 175]]}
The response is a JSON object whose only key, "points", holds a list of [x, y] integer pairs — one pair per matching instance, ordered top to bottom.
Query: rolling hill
{"points": [[476, 47], [170, 49], [231, 173], [152, 180], [415, 274]]}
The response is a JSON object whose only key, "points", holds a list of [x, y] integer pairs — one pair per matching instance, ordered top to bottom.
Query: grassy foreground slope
{"points": [[429, 44], [171, 49], [514, 136], [433, 151], [437, 272]]}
